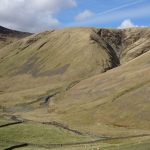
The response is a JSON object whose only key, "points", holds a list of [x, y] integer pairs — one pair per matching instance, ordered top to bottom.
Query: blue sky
{"points": [[108, 13], [40, 15]]}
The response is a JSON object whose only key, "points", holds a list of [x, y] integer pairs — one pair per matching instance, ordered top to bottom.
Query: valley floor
{"points": [[28, 135]]}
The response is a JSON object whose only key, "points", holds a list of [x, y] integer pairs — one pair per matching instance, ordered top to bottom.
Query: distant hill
{"points": [[7, 36]]}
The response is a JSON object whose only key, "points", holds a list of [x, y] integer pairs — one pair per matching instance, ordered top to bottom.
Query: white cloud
{"points": [[86, 14], [32, 15], [127, 23]]}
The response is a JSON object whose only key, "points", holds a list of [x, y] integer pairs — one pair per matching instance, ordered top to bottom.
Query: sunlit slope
{"points": [[69, 53], [73, 53], [93, 80], [117, 98]]}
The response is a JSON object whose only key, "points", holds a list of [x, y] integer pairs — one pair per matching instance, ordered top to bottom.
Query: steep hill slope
{"points": [[71, 52], [94, 80], [117, 98]]}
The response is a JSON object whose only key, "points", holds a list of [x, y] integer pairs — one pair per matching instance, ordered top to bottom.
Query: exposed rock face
{"points": [[135, 42], [127, 43]]}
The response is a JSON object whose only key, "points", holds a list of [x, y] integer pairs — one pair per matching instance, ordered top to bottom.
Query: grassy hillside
{"points": [[64, 53], [92, 80], [37, 135]]}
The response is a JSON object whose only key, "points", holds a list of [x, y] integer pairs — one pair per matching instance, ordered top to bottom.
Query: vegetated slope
{"points": [[8, 36], [71, 52], [77, 52], [66, 70], [118, 98]]}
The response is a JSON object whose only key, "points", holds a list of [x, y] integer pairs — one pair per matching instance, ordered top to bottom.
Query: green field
{"points": [[37, 134], [44, 137]]}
